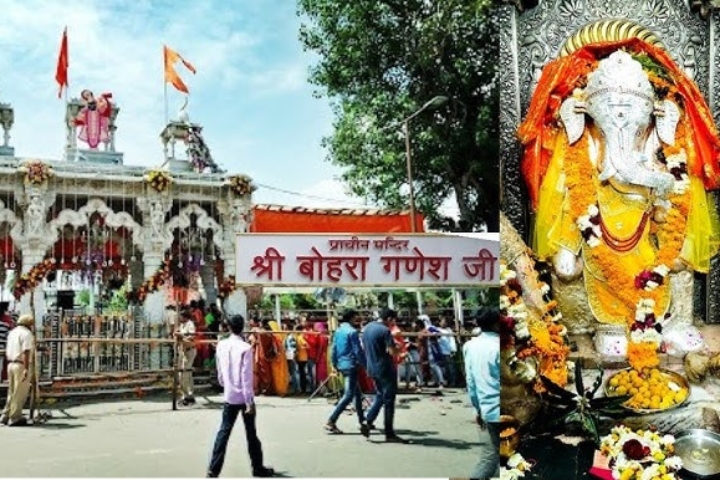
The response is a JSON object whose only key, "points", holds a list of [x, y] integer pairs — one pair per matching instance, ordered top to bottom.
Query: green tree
{"points": [[379, 61]]}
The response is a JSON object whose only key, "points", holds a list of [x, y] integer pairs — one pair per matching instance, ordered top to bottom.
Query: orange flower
{"points": [[643, 354]]}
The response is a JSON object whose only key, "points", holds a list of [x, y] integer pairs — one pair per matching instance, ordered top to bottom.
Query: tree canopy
{"points": [[379, 61]]}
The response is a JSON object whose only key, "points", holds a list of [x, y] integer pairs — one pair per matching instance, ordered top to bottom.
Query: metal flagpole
{"points": [[167, 119]]}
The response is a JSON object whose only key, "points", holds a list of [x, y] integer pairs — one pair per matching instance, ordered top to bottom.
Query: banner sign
{"points": [[308, 260]]}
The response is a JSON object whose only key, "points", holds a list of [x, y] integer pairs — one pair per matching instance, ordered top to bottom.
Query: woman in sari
{"points": [[264, 345], [321, 361], [278, 364]]}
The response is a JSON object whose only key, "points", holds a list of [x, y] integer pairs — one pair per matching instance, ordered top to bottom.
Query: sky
{"points": [[250, 92]]}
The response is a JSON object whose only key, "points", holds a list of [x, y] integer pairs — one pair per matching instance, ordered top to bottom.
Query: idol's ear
{"points": [[572, 114], [667, 116]]}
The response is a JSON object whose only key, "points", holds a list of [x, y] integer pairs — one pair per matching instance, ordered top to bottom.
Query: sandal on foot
{"points": [[332, 429]]}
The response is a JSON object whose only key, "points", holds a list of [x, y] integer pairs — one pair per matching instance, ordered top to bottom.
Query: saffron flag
{"points": [[61, 73], [171, 76]]}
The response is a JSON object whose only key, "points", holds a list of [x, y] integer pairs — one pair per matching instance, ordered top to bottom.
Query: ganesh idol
{"points": [[94, 119], [620, 152]]}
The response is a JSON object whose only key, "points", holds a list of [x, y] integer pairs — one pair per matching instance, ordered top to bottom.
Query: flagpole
{"points": [[167, 119]]}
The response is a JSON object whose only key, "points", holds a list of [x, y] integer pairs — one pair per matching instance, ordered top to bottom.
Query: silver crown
{"points": [[619, 73]]}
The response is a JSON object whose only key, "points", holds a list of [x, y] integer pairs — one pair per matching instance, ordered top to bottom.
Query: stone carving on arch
{"points": [[82, 216], [204, 222], [16, 225]]}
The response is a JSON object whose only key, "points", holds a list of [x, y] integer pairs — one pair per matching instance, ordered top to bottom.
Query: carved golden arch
{"points": [[608, 31]]}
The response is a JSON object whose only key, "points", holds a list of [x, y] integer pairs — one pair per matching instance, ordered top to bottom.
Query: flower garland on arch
{"points": [[36, 172], [158, 180], [241, 185], [28, 281], [152, 284], [227, 287]]}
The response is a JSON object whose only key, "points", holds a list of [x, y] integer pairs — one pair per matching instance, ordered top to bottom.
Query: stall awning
{"points": [[283, 219]]}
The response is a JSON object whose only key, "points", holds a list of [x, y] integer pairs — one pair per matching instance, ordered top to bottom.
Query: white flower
{"points": [[593, 210], [584, 221], [593, 242], [662, 270], [650, 286], [545, 289], [504, 302], [557, 317], [521, 331]]}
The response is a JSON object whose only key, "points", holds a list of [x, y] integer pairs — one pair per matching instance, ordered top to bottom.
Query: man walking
{"points": [[448, 349], [19, 350], [187, 351], [379, 351], [347, 357], [482, 367], [235, 373]]}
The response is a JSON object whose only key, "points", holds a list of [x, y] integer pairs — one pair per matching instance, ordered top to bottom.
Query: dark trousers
{"points": [[302, 371], [352, 392], [385, 393], [230, 414]]}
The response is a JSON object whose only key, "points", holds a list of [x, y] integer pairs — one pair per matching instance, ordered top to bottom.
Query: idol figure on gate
{"points": [[93, 119]]}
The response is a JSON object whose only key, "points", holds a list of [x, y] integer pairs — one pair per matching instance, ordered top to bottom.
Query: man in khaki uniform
{"points": [[185, 333], [18, 353]]}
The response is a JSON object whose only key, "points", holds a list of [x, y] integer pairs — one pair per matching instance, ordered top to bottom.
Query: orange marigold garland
{"points": [[28, 281], [152, 284], [227, 287], [540, 342]]}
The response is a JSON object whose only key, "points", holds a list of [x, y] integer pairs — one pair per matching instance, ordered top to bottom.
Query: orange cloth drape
{"points": [[561, 76], [272, 221]]}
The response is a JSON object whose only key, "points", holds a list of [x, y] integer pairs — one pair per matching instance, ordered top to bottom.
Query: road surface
{"points": [[144, 438]]}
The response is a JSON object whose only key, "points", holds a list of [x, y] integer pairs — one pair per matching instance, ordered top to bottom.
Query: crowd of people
{"points": [[376, 351], [262, 358]]}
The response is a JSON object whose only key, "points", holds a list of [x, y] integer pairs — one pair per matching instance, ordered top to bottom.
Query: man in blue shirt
{"points": [[379, 351], [347, 357], [482, 368]]}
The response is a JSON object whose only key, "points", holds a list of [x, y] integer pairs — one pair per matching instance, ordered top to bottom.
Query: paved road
{"points": [[144, 438]]}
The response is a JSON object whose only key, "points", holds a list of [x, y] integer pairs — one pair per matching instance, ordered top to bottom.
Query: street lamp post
{"points": [[435, 102]]}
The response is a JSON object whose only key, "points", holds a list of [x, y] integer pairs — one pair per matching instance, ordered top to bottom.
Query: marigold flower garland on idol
{"points": [[638, 291]]}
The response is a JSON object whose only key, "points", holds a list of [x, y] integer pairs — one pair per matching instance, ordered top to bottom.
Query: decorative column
{"points": [[7, 118], [171, 134], [236, 215], [36, 238], [156, 240]]}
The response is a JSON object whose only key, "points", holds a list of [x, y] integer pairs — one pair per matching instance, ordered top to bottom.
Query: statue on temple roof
{"points": [[94, 119]]}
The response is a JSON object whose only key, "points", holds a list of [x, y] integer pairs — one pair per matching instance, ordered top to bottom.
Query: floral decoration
{"points": [[198, 151], [36, 172], [158, 180], [241, 185], [589, 225], [649, 280], [28, 281], [152, 284], [227, 287], [645, 337], [532, 344], [641, 455], [515, 468]]}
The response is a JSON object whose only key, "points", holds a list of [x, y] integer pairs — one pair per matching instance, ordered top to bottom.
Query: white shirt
{"points": [[187, 330], [19, 340]]}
